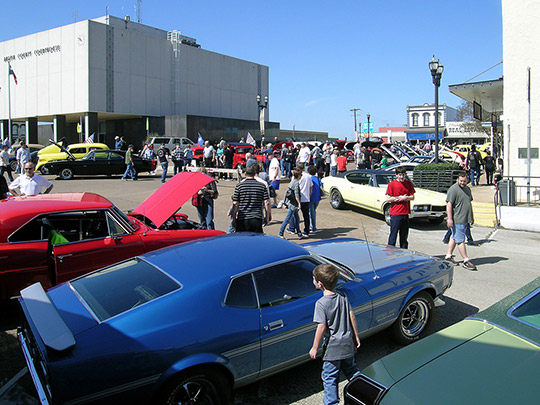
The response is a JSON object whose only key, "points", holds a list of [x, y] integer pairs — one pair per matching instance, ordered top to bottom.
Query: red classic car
{"points": [[52, 238]]}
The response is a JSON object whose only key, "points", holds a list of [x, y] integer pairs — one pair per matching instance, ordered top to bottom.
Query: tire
{"points": [[43, 170], [66, 173], [336, 200], [387, 217], [436, 221], [414, 319], [198, 386]]}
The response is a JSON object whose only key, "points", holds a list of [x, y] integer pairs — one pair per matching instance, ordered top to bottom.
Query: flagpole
{"points": [[9, 104]]}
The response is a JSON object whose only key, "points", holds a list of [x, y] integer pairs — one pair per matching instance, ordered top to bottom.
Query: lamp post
{"points": [[436, 72], [262, 105], [368, 117]]}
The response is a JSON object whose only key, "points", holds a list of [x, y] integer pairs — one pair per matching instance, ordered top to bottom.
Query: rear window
{"points": [[124, 286], [528, 311]]}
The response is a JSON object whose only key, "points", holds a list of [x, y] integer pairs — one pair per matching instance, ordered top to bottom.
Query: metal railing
{"points": [[518, 191]]}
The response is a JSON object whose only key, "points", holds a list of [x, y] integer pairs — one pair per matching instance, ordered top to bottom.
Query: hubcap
{"points": [[414, 318], [194, 392]]}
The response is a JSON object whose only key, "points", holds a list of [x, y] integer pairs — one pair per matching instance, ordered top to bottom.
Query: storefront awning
{"points": [[489, 94], [423, 136]]}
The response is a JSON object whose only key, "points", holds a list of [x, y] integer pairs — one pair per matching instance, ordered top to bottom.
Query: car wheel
{"points": [[13, 165], [43, 170], [66, 173], [336, 200], [387, 217], [436, 221], [414, 319], [199, 386]]}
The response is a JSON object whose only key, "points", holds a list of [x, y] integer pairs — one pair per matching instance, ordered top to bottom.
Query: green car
{"points": [[492, 357]]}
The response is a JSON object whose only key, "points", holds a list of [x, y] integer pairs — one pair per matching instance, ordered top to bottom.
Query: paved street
{"points": [[506, 260]]}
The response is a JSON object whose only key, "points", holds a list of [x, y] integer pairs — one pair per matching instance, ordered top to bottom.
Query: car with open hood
{"points": [[61, 150], [97, 162], [367, 189], [52, 238], [189, 323], [491, 357]]}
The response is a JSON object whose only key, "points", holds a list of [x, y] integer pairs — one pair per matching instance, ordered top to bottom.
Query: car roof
{"points": [[239, 144], [368, 171], [17, 211], [211, 257]]}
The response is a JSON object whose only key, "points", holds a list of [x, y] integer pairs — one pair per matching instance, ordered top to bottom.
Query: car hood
{"points": [[425, 196], [170, 197], [471, 362]]}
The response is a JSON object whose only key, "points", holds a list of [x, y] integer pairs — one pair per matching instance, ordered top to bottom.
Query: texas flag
{"points": [[11, 72], [250, 139], [200, 141]]}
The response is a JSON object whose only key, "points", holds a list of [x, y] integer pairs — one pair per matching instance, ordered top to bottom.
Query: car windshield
{"points": [[116, 289], [528, 311]]}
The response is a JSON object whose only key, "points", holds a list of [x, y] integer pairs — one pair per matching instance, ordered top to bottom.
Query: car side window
{"points": [[78, 150], [101, 155], [359, 178], [80, 225], [114, 227], [32, 231], [285, 282], [241, 293]]}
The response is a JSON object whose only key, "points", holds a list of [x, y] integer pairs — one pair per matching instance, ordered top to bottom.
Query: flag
{"points": [[11, 72], [90, 139], [249, 139], [200, 141]]}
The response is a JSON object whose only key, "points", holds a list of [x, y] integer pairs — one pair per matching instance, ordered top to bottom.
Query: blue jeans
{"points": [[165, 167], [130, 171], [333, 171], [475, 176], [312, 214], [206, 215], [293, 219], [399, 223], [330, 377]]}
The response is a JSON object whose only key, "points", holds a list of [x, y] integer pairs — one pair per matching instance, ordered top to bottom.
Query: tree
{"points": [[468, 123]]}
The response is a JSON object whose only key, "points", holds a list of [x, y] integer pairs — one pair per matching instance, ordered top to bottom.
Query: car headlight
{"points": [[420, 208]]}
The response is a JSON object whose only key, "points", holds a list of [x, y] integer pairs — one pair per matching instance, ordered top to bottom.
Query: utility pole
{"points": [[354, 110]]}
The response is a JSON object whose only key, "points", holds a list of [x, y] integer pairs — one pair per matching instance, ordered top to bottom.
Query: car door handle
{"points": [[62, 257], [275, 325]]}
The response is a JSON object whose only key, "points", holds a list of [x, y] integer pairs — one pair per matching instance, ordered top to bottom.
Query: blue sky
{"points": [[325, 57]]}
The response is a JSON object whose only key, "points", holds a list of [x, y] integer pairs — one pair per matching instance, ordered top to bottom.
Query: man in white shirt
{"points": [[304, 154], [209, 155], [23, 156], [274, 175], [30, 183], [305, 195]]}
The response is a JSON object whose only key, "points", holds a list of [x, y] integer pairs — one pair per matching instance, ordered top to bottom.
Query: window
{"points": [[426, 119], [414, 120], [78, 150], [101, 155], [116, 156], [359, 178], [32, 231], [285, 282], [121, 287], [241, 293], [528, 311]]}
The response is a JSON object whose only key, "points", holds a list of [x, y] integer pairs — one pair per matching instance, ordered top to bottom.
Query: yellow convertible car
{"points": [[367, 189]]}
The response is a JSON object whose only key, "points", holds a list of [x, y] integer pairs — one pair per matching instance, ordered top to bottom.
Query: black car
{"points": [[97, 162]]}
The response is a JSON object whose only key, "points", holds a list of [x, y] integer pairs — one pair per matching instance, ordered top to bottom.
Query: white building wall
{"points": [[521, 49]]}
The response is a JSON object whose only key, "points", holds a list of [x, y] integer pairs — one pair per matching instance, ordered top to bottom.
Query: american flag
{"points": [[11, 72], [90, 139]]}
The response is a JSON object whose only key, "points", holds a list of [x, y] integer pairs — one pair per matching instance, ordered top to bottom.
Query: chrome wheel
{"points": [[66, 173], [336, 200], [414, 319], [204, 386]]}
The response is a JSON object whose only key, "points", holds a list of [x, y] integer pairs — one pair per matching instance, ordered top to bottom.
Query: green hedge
{"points": [[437, 167], [436, 177]]}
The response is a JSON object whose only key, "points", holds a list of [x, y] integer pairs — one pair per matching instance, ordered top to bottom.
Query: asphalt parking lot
{"points": [[506, 260]]}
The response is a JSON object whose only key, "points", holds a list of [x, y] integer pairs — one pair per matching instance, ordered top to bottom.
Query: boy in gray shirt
{"points": [[337, 324]]}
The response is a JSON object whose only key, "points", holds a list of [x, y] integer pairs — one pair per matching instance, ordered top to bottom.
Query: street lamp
{"points": [[436, 72], [262, 105], [368, 117]]}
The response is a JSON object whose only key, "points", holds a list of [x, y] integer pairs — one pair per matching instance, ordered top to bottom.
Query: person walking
{"points": [[163, 154], [209, 154], [23, 156], [177, 158], [474, 162], [333, 163], [130, 166], [489, 166], [5, 167], [274, 177], [30, 183], [316, 187], [400, 193], [305, 195], [250, 198], [292, 201], [205, 208], [459, 213], [336, 322]]}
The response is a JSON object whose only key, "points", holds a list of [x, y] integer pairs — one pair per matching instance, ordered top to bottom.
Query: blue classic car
{"points": [[188, 323]]}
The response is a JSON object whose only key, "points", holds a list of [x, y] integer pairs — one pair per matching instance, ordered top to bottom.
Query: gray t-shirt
{"points": [[461, 199], [333, 311]]}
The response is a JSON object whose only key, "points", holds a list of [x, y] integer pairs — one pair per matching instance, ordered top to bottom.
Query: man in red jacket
{"points": [[399, 193]]}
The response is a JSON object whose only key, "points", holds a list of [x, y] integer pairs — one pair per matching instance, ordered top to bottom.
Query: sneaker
{"points": [[124, 179], [291, 232], [281, 236], [304, 236], [445, 241], [472, 243], [451, 259], [469, 266]]}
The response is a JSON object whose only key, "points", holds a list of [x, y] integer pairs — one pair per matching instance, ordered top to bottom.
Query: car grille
{"points": [[438, 208], [363, 391]]}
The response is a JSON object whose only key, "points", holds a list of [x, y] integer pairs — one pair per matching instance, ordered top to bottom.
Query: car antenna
{"points": [[375, 275]]}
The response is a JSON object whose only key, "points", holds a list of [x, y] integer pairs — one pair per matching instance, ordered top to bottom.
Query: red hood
{"points": [[170, 197]]}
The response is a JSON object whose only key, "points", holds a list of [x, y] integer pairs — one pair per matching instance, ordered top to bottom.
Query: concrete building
{"points": [[120, 77], [421, 121]]}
